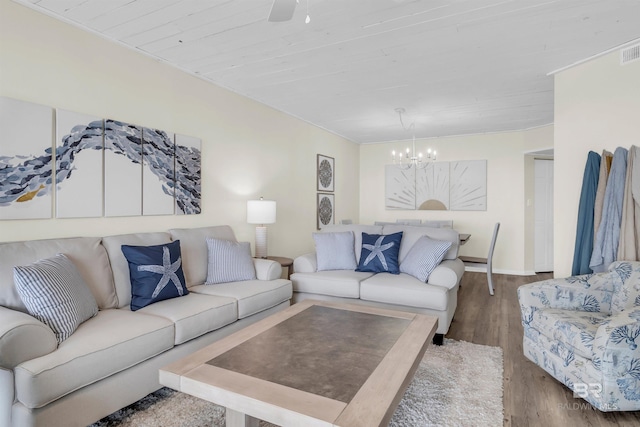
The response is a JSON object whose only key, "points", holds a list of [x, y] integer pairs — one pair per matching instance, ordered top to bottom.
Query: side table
{"points": [[284, 262]]}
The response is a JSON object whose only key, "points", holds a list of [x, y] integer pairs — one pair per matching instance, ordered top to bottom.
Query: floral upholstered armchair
{"points": [[584, 331]]}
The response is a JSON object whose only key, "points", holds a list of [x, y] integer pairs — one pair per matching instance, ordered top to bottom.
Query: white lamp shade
{"points": [[261, 211]]}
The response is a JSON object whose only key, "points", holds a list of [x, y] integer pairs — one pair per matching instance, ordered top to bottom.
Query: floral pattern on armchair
{"points": [[584, 331]]}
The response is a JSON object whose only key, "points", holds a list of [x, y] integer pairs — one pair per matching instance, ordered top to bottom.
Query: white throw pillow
{"points": [[335, 251], [423, 257], [229, 261], [55, 293]]}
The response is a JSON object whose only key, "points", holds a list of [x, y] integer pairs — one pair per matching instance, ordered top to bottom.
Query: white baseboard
{"points": [[501, 271]]}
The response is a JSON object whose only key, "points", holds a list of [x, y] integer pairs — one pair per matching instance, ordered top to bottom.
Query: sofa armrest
{"points": [[306, 263], [267, 269], [447, 274], [588, 292], [22, 338]]}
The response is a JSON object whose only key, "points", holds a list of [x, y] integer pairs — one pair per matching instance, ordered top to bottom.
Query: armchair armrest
{"points": [[306, 263], [267, 269], [588, 292], [22, 338], [616, 353]]}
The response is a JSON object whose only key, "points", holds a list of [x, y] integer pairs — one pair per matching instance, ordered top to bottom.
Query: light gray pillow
{"points": [[335, 251], [423, 257], [229, 261], [55, 293]]}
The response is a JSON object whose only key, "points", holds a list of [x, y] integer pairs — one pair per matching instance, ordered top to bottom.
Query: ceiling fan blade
{"points": [[282, 10]]}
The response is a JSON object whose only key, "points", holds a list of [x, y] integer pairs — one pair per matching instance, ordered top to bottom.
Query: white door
{"points": [[543, 206]]}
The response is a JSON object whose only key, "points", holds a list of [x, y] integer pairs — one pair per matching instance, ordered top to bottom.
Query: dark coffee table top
{"points": [[321, 350], [340, 364]]}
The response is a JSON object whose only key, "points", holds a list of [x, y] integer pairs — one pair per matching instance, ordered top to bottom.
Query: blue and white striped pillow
{"points": [[423, 257], [229, 261], [55, 293]]}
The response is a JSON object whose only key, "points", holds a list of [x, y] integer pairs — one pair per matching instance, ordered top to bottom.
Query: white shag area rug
{"points": [[457, 384]]}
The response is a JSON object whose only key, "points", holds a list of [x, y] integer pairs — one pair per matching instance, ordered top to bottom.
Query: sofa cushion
{"points": [[357, 231], [413, 233], [194, 249], [335, 251], [86, 253], [380, 253], [424, 257], [229, 261], [119, 263], [155, 273], [336, 283], [404, 289], [55, 293], [253, 296], [194, 315], [575, 329], [110, 342]]}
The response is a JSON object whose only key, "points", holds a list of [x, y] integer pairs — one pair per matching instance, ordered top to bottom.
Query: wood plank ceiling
{"points": [[457, 66]]}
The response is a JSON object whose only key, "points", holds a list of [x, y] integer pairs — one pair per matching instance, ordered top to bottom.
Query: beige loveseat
{"points": [[438, 296], [112, 359]]}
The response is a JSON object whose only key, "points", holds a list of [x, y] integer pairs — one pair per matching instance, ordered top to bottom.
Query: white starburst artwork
{"points": [[454, 186], [432, 187], [400, 188], [468, 189]]}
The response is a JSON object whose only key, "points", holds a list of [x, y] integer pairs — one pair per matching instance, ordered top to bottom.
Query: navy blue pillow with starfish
{"points": [[380, 253], [156, 273]]}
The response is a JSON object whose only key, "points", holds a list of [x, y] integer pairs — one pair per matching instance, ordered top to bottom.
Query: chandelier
{"points": [[410, 158]]}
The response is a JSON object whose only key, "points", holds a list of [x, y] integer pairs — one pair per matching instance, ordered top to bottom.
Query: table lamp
{"points": [[261, 212]]}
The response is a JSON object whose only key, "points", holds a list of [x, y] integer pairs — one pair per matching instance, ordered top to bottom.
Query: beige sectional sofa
{"points": [[438, 296], [112, 359]]}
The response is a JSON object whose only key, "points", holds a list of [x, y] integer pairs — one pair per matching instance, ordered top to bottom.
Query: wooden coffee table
{"points": [[313, 364]]}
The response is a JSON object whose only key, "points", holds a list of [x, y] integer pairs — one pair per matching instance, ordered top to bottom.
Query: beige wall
{"points": [[597, 106], [248, 149], [505, 157]]}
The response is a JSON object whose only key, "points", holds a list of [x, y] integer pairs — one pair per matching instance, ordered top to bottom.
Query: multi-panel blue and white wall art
{"points": [[79, 153], [26, 161], [101, 167], [122, 169], [158, 172], [188, 175], [455, 186]]}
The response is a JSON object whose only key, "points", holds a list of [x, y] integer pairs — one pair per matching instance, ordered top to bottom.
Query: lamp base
{"points": [[261, 241]]}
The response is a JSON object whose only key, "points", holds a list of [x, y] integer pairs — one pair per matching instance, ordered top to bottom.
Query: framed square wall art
{"points": [[326, 173], [326, 210]]}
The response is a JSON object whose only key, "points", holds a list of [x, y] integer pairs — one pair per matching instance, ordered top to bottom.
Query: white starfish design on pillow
{"points": [[377, 250], [168, 272]]}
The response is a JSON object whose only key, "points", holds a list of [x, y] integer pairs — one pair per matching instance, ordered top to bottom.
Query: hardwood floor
{"points": [[531, 396]]}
